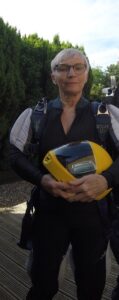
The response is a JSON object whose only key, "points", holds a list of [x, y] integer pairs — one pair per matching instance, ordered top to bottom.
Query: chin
{"points": [[73, 93]]}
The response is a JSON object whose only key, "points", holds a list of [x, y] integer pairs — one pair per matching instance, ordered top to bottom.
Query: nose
{"points": [[71, 71]]}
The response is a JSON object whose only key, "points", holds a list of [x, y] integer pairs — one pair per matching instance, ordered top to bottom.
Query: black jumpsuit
{"points": [[58, 222]]}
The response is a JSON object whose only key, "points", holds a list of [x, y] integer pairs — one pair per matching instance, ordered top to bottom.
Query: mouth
{"points": [[70, 82]]}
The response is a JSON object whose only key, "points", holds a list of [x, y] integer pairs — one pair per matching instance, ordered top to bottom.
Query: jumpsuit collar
{"points": [[80, 105]]}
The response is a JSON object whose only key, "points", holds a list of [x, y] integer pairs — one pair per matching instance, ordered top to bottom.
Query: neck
{"points": [[70, 100]]}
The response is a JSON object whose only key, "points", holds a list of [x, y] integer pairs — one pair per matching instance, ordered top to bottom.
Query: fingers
{"points": [[89, 187], [57, 189], [85, 189], [81, 197]]}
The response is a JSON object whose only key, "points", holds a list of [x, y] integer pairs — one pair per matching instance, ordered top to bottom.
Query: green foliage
{"points": [[56, 41], [112, 70], [102, 79], [11, 84], [98, 84]]}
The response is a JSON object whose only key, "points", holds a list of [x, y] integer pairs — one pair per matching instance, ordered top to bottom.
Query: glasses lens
{"points": [[62, 68], [79, 68]]}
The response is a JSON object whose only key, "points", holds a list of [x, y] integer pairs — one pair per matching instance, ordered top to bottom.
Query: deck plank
{"points": [[14, 280]]}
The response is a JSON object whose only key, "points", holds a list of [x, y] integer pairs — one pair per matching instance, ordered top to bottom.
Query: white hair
{"points": [[69, 52]]}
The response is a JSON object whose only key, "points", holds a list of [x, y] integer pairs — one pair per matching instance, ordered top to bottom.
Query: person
{"points": [[116, 97], [67, 213], [114, 238]]}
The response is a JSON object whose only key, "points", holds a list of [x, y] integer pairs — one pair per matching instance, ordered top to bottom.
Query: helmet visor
{"points": [[77, 158]]}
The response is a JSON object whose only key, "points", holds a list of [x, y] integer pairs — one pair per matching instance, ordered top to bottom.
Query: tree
{"points": [[112, 70], [25, 74], [98, 78], [11, 85]]}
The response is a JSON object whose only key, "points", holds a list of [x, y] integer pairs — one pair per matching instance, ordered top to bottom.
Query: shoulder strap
{"points": [[38, 112], [102, 118], [38, 119]]}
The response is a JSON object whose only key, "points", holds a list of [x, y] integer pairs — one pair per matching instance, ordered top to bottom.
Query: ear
{"points": [[53, 78], [86, 78]]}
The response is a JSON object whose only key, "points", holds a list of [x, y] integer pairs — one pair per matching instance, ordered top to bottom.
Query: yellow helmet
{"points": [[76, 159]]}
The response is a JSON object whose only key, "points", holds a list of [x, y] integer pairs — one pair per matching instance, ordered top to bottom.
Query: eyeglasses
{"points": [[64, 68]]}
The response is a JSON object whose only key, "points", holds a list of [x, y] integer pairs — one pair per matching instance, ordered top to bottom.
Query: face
{"points": [[70, 80]]}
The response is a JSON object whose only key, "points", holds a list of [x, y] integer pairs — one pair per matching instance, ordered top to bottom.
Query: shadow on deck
{"points": [[14, 281]]}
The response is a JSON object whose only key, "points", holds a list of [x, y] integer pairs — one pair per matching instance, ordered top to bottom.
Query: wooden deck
{"points": [[14, 281]]}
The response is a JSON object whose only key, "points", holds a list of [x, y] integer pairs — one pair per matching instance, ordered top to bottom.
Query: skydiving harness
{"points": [[100, 111], [38, 119], [103, 123]]}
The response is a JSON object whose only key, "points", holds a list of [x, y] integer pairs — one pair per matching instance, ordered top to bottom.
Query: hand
{"points": [[55, 188], [88, 188]]}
